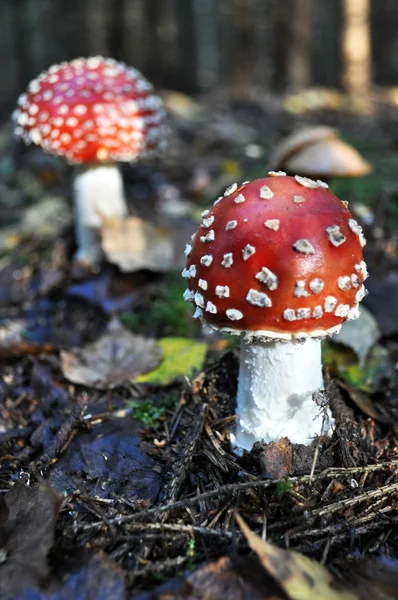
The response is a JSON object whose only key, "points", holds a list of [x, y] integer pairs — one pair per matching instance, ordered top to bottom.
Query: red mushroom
{"points": [[92, 112], [278, 261]]}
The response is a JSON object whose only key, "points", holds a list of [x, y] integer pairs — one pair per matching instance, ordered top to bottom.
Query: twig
{"points": [[232, 488], [189, 529]]}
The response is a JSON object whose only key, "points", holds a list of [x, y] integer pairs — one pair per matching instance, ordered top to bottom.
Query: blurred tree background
{"points": [[238, 46]]}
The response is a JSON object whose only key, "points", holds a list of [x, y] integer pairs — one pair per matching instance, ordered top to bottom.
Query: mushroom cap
{"points": [[91, 109], [297, 140], [328, 158], [278, 257]]}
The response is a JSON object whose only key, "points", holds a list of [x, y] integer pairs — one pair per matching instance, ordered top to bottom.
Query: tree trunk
{"points": [[292, 29], [356, 50], [244, 57]]}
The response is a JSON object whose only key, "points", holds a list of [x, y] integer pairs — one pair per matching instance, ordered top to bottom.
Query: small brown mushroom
{"points": [[319, 152]]}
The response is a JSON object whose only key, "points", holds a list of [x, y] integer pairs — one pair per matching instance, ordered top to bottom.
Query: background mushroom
{"points": [[93, 112], [319, 152], [278, 261]]}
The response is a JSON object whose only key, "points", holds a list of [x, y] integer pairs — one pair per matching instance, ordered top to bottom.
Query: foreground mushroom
{"points": [[92, 112], [319, 152], [278, 261]]}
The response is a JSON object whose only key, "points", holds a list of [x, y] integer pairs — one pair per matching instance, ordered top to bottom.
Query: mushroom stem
{"points": [[98, 193], [276, 383]]}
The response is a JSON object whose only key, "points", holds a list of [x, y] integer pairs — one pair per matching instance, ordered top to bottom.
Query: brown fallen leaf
{"points": [[133, 244], [116, 356], [276, 459], [27, 525], [299, 576]]}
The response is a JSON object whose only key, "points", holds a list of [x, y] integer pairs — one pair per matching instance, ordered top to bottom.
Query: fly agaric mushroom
{"points": [[92, 112], [319, 152], [278, 261]]}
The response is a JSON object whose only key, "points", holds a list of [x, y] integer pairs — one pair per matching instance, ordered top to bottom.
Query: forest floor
{"points": [[117, 479]]}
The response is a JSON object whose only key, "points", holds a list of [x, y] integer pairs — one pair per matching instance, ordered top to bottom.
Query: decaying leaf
{"points": [[133, 244], [359, 335], [116, 356], [180, 357], [109, 460], [27, 524], [299, 576], [99, 578], [225, 579]]}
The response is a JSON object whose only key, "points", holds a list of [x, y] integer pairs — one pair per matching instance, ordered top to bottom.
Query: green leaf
{"points": [[181, 357], [343, 362]]}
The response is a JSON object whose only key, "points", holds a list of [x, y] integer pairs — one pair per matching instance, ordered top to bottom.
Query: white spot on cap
{"points": [[47, 95], [33, 109], [80, 109], [71, 122], [35, 136], [65, 138], [277, 173], [306, 182], [322, 184], [231, 189], [266, 193], [239, 199], [298, 199], [218, 200], [344, 203], [205, 213], [208, 222], [272, 224], [231, 225], [357, 229], [335, 236], [209, 237], [304, 247], [188, 249], [248, 251], [206, 260], [227, 260], [362, 269], [189, 273], [268, 278], [355, 280], [202, 283], [344, 283], [316, 285], [299, 289], [222, 291], [188, 295], [360, 295], [259, 299], [199, 300], [330, 303], [211, 308], [342, 310], [317, 312], [198, 313], [303, 313], [353, 313], [233, 314], [289, 314]]}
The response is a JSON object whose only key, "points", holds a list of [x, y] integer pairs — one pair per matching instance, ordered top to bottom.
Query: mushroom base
{"points": [[98, 195], [277, 381]]}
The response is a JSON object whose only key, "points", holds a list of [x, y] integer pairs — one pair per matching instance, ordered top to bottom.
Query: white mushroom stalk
{"points": [[99, 195], [277, 381]]}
